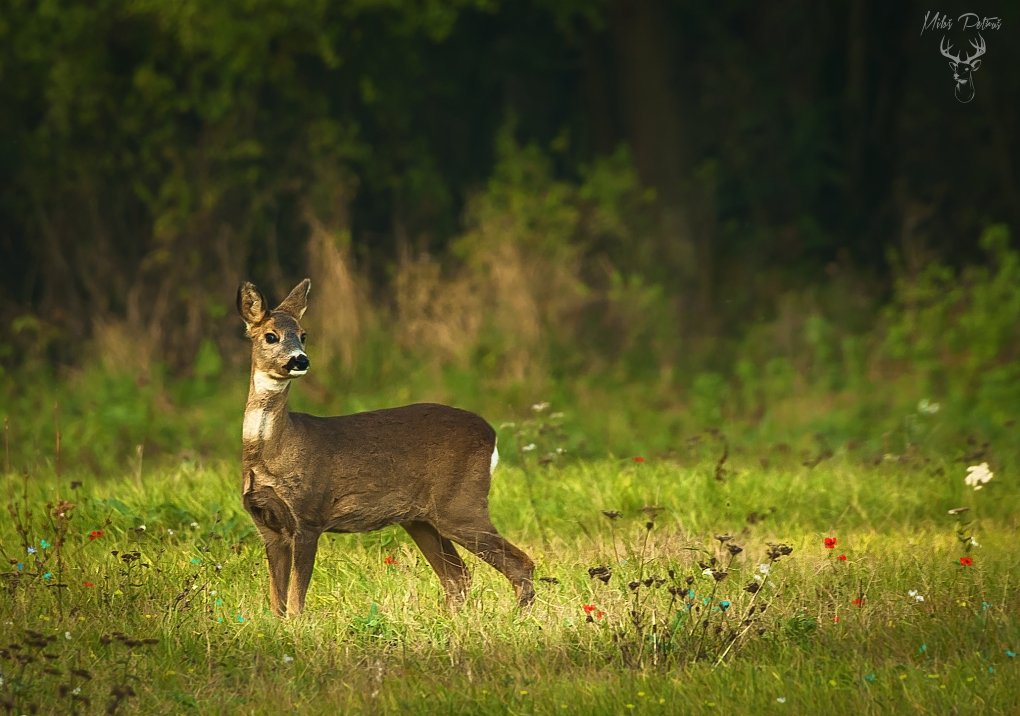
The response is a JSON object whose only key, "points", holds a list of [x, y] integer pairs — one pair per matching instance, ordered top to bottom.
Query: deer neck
{"points": [[265, 414]]}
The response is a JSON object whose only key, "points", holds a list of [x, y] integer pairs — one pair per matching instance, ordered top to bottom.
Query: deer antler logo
{"points": [[963, 70]]}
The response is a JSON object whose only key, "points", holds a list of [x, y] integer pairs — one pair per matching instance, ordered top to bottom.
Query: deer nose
{"points": [[298, 362]]}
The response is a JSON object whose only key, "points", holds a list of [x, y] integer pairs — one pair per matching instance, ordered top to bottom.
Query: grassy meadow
{"points": [[776, 518], [714, 578]]}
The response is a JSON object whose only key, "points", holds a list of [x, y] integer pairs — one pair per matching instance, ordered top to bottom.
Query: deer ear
{"points": [[975, 64], [296, 303], [251, 304]]}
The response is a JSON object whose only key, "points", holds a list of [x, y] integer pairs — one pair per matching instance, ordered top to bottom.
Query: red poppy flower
{"points": [[638, 458], [94, 535], [830, 543], [841, 558], [389, 560], [967, 561], [89, 584], [858, 602], [588, 608], [599, 614], [835, 620]]}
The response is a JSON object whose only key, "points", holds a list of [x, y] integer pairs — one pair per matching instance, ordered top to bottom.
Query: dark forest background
{"points": [[666, 215]]}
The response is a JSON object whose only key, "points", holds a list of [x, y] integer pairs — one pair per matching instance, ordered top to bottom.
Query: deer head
{"points": [[963, 70], [278, 341]]}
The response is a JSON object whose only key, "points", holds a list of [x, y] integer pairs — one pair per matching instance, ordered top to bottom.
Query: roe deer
{"points": [[425, 467]]}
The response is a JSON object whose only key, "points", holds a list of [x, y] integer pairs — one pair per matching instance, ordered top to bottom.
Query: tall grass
{"points": [[544, 298], [658, 591]]}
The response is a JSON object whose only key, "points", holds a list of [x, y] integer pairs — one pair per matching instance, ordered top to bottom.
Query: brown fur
{"points": [[424, 467]]}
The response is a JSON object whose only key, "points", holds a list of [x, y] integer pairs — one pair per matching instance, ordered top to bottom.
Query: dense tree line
{"points": [[152, 153]]}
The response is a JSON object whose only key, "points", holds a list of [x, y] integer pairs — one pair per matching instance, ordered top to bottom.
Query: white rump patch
{"points": [[494, 461]]}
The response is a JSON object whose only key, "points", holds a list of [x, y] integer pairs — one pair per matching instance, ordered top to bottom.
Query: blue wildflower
{"points": [[44, 544], [31, 550], [47, 575], [724, 605], [922, 649], [1010, 653], [870, 678]]}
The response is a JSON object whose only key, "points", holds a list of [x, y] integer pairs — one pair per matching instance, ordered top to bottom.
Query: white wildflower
{"points": [[539, 407], [927, 407], [555, 416], [529, 447], [978, 476], [194, 525], [140, 528], [169, 531], [974, 542], [917, 597], [67, 635], [287, 659], [76, 690], [780, 699]]}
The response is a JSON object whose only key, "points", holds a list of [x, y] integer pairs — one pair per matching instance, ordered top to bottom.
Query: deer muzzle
{"points": [[297, 365]]}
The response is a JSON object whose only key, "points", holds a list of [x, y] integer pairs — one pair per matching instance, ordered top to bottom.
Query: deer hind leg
{"points": [[485, 542], [305, 546], [443, 557]]}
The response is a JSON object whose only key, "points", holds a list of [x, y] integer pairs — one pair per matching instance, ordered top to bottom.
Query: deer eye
{"points": [[303, 337], [272, 338]]}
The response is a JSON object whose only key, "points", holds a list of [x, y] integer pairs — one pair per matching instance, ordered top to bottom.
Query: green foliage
{"points": [[959, 332], [708, 398], [152, 595]]}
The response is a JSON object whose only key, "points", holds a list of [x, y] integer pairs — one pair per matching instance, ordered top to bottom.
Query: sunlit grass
{"points": [[844, 630]]}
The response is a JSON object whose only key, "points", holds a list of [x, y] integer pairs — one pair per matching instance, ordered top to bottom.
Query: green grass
{"points": [[377, 638]]}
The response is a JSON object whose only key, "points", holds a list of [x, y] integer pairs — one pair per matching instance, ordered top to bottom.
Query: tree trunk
{"points": [[653, 120]]}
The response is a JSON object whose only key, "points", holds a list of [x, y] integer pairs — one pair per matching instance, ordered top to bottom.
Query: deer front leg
{"points": [[276, 524], [304, 547], [280, 555]]}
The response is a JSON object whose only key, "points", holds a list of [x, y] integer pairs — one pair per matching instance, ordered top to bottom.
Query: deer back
{"points": [[360, 472]]}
